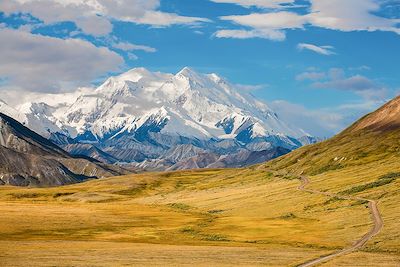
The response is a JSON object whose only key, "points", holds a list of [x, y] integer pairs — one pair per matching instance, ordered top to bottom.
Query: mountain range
{"points": [[160, 121]]}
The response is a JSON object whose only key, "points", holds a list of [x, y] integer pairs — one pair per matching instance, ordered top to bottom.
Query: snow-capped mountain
{"points": [[10, 111], [148, 113]]}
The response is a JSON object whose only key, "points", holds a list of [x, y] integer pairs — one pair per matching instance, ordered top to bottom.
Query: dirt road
{"points": [[375, 214]]}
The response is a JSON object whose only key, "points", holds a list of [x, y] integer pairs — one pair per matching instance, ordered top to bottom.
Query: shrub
{"points": [[382, 180]]}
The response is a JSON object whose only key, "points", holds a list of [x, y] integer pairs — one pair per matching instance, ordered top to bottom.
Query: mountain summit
{"points": [[140, 115]]}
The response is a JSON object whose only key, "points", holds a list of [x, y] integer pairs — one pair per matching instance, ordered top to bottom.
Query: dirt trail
{"points": [[375, 214]]}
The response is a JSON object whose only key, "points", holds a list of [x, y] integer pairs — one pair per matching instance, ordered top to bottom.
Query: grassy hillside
{"points": [[363, 161]]}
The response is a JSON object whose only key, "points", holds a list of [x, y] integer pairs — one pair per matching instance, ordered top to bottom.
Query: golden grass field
{"points": [[242, 217]]}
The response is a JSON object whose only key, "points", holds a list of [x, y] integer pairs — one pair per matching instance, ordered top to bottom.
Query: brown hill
{"points": [[385, 118], [373, 137], [28, 159]]}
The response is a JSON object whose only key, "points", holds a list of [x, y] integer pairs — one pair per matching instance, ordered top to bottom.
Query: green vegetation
{"points": [[329, 167], [390, 176], [382, 180], [59, 194], [25, 195], [332, 200], [179, 206], [215, 211], [288, 216], [214, 237]]}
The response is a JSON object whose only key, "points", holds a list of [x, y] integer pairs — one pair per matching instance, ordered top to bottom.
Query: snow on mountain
{"points": [[188, 104], [10, 111], [156, 111]]}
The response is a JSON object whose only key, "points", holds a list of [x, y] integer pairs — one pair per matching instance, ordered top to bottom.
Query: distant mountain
{"points": [[139, 116], [27, 158], [194, 158]]}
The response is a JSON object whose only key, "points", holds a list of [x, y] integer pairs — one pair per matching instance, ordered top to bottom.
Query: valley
{"points": [[199, 133], [332, 203], [209, 213]]}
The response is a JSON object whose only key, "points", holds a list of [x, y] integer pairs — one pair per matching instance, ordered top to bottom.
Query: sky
{"points": [[320, 64]]}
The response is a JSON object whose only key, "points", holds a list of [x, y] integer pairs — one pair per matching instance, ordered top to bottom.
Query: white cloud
{"points": [[257, 3], [83, 14], [354, 15], [93, 17], [162, 19], [278, 20], [94, 25], [263, 25], [245, 34], [132, 47], [322, 50], [132, 56], [42, 63], [313, 76], [354, 83], [358, 84], [249, 87], [17, 99], [318, 122], [324, 122]]}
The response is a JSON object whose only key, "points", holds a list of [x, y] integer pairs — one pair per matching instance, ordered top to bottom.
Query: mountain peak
{"points": [[187, 72], [135, 74], [10, 111]]}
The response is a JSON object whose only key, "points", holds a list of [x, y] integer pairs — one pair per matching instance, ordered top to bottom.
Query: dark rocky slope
{"points": [[28, 159]]}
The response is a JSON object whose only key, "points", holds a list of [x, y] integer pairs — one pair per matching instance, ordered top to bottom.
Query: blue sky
{"points": [[319, 63]]}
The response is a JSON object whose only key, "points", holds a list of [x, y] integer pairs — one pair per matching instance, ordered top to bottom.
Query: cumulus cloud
{"points": [[257, 3], [357, 15], [93, 17], [162, 19], [263, 25], [245, 34], [132, 47], [322, 50], [40, 63], [48, 64]]}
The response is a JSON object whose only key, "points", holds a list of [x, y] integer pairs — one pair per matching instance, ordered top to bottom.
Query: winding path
{"points": [[375, 214]]}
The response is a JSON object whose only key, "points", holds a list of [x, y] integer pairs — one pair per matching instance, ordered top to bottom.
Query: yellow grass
{"points": [[219, 217]]}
